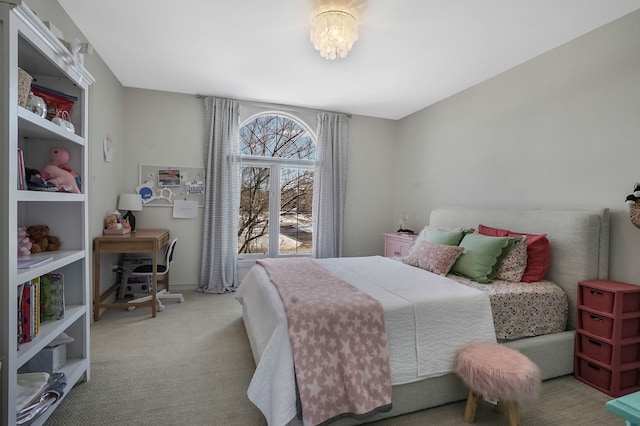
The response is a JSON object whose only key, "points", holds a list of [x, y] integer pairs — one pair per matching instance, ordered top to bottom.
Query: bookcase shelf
{"points": [[27, 43], [34, 126], [48, 331]]}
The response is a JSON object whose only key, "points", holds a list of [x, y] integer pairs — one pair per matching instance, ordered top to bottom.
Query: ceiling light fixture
{"points": [[333, 33]]}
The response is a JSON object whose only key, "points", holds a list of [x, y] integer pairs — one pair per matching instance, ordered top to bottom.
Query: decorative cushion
{"points": [[426, 232], [440, 236], [538, 251], [482, 256], [436, 258], [514, 264]]}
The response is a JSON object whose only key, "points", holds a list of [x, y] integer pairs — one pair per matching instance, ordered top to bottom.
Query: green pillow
{"points": [[450, 238], [482, 256]]}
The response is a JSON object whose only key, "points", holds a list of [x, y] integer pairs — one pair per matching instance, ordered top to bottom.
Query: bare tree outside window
{"points": [[276, 149]]}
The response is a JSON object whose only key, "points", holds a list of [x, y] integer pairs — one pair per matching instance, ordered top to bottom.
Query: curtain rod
{"points": [[278, 106]]}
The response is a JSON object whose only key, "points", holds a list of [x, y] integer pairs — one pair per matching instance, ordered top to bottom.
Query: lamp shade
{"points": [[333, 33], [130, 202]]}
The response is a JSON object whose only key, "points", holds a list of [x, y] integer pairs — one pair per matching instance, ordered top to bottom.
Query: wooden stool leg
{"points": [[470, 409], [514, 415]]}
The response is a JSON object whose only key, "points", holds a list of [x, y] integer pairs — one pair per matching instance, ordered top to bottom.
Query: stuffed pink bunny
{"points": [[57, 173], [24, 243]]}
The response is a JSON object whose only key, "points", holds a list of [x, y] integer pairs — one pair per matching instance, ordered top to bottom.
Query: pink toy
{"points": [[57, 173], [24, 243]]}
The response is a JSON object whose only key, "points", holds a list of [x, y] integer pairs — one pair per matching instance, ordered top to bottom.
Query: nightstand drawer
{"points": [[397, 244], [610, 297], [597, 299], [602, 326], [594, 349], [603, 351], [611, 382]]}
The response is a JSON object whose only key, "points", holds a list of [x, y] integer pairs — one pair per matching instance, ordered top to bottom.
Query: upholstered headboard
{"points": [[579, 239]]}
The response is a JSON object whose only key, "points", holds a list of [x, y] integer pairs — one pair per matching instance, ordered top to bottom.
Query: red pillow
{"points": [[538, 251]]}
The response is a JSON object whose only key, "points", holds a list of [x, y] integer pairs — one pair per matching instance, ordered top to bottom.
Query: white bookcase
{"points": [[25, 42]]}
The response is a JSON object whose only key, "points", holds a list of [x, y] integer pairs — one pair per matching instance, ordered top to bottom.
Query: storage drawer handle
{"points": [[596, 293], [595, 318], [595, 342], [595, 367]]}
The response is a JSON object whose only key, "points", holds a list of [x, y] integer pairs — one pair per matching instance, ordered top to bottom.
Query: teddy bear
{"points": [[57, 173], [635, 196], [111, 222], [41, 240], [24, 243], [54, 243]]}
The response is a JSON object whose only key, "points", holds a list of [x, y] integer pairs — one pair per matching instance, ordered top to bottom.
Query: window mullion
{"points": [[274, 211]]}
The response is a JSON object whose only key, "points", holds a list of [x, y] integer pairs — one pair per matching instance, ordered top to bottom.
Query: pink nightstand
{"points": [[397, 244]]}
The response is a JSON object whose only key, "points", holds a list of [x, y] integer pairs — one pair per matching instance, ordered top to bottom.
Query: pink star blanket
{"points": [[339, 342]]}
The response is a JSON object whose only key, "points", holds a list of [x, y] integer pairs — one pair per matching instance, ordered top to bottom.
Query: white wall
{"points": [[166, 129], [560, 130], [369, 209]]}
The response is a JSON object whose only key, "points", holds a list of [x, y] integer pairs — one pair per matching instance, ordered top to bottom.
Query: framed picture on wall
{"points": [[169, 177]]}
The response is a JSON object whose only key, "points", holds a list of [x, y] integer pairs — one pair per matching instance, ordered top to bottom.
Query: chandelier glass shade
{"points": [[333, 33]]}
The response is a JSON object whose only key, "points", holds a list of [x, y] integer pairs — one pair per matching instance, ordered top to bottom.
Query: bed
{"points": [[579, 240]]}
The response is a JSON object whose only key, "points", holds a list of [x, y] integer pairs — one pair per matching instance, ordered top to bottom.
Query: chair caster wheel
{"points": [[131, 308]]}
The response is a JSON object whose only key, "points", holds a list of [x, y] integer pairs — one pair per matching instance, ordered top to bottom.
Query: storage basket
{"points": [[24, 87], [634, 213]]}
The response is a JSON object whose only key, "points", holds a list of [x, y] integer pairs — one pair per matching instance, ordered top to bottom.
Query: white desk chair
{"points": [[161, 274]]}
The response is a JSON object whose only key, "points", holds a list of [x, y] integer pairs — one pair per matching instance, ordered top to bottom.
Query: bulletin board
{"points": [[160, 185]]}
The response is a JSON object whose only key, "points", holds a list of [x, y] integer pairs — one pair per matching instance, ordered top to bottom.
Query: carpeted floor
{"points": [[191, 365]]}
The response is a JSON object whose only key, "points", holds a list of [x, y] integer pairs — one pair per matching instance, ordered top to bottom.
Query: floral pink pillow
{"points": [[433, 257], [513, 266]]}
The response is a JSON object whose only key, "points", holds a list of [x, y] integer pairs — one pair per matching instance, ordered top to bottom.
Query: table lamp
{"points": [[131, 203]]}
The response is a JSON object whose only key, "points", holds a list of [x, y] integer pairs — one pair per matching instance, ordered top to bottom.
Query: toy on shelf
{"points": [[57, 173], [36, 183], [634, 196], [633, 201], [114, 224], [41, 240], [24, 243]]}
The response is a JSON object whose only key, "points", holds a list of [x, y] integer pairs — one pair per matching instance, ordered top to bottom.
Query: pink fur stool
{"points": [[498, 373]]}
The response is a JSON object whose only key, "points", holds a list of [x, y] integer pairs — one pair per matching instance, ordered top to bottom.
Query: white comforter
{"points": [[427, 318]]}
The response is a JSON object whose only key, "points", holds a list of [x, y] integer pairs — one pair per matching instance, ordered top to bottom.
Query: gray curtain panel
{"points": [[330, 184], [218, 272]]}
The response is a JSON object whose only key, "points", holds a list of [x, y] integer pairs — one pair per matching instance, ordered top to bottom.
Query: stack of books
{"points": [[40, 299]]}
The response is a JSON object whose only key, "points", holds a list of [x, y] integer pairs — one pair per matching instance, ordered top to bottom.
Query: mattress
{"points": [[524, 309], [422, 334]]}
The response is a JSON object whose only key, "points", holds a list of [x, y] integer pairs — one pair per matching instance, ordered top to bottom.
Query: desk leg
{"points": [[96, 283]]}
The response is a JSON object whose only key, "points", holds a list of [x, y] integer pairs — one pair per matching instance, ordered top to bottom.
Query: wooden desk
{"points": [[141, 241]]}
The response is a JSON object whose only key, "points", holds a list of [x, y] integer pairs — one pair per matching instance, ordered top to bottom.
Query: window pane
{"points": [[276, 136], [296, 196], [253, 226]]}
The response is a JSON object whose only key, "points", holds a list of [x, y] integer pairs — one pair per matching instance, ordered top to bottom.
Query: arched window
{"points": [[277, 164]]}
